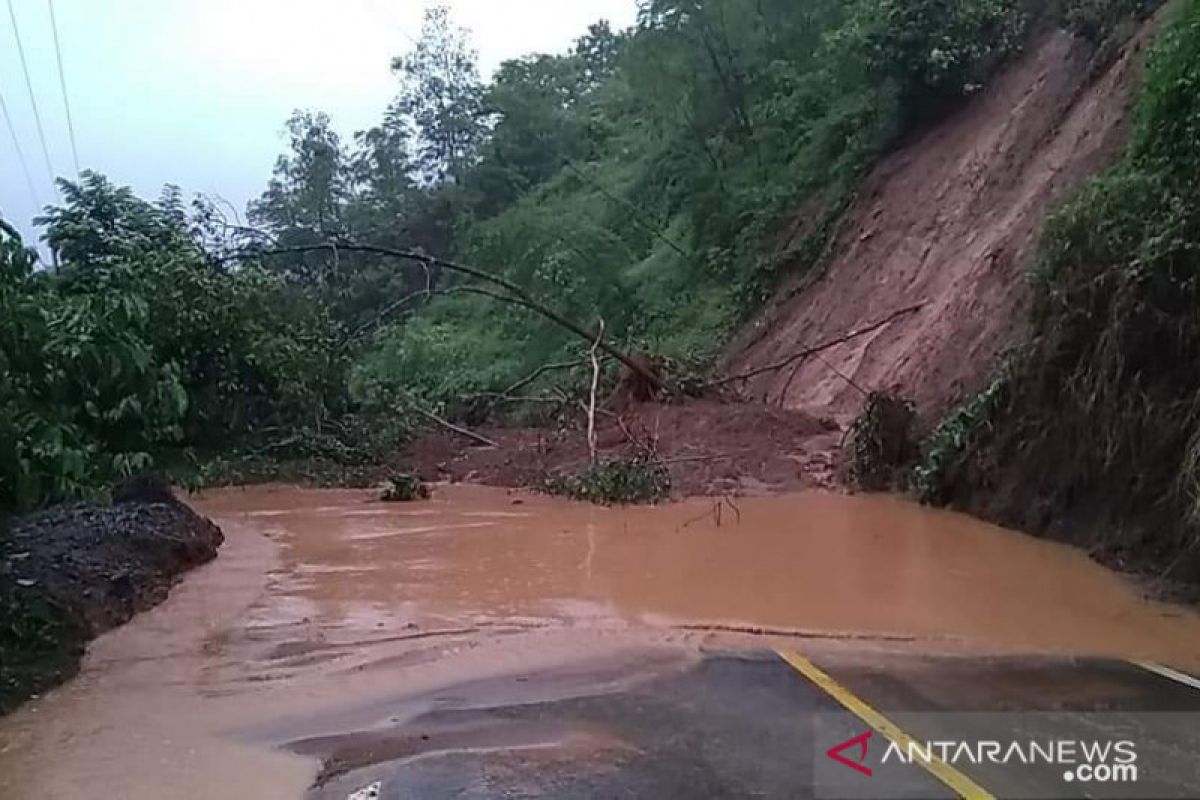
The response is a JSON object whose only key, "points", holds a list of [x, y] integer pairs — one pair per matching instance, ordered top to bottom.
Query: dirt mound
{"points": [[948, 221], [709, 447], [71, 573]]}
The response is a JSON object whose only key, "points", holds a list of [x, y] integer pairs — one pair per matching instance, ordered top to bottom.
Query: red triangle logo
{"points": [[859, 742]]}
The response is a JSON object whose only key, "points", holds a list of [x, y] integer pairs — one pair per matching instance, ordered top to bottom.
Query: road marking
{"points": [[1169, 674], [960, 783]]}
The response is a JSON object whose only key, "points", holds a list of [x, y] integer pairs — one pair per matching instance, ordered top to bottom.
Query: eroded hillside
{"points": [[949, 222]]}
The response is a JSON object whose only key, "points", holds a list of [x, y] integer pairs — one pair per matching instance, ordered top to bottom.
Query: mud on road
{"points": [[708, 446], [71, 573], [332, 622]]}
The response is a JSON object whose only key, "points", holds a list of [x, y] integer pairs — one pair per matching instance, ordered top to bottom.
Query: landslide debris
{"points": [[71, 573]]}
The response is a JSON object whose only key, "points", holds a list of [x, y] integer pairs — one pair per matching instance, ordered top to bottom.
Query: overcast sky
{"points": [[196, 92]]}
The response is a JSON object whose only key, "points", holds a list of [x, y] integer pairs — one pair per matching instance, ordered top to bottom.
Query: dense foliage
{"points": [[645, 177], [137, 346], [1099, 417]]}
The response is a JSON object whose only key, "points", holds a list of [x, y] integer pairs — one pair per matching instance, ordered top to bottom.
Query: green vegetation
{"points": [[1099, 20], [648, 177], [659, 179], [137, 347], [1100, 419], [954, 436], [879, 442], [618, 482], [405, 488]]}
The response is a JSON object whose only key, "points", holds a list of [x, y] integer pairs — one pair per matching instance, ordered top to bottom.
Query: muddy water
{"points": [[810, 562], [328, 613]]}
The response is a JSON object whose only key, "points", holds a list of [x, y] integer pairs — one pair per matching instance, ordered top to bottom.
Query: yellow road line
{"points": [[945, 773]]}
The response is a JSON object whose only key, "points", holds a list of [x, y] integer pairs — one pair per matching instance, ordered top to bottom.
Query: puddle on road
{"points": [[327, 613]]}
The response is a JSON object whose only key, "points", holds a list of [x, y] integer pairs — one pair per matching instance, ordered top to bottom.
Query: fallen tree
{"points": [[509, 293], [821, 347]]}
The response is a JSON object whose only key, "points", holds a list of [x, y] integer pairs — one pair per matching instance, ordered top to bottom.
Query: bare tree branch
{"points": [[514, 294], [809, 351], [539, 372], [595, 384], [450, 426]]}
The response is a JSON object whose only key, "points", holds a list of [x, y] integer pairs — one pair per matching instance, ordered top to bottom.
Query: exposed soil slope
{"points": [[948, 221], [71, 573]]}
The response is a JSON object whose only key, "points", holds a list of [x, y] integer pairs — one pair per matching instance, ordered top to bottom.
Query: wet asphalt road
{"points": [[753, 726]]}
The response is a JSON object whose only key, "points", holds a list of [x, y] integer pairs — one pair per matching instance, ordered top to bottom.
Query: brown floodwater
{"points": [[813, 562], [325, 608]]}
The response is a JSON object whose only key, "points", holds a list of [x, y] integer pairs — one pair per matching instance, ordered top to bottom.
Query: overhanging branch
{"points": [[513, 294]]}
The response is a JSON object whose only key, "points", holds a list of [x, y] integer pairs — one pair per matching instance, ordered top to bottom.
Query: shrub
{"points": [[1097, 20], [137, 346], [953, 437], [879, 441], [617, 482], [404, 488]]}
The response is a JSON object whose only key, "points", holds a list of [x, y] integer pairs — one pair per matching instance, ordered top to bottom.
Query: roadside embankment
{"points": [[73, 572]]}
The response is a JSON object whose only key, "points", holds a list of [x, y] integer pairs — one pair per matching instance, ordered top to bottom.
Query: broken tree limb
{"points": [[408, 255], [513, 294], [382, 316], [553, 316], [810, 351], [539, 372], [842, 375], [595, 385], [787, 386], [496, 397], [450, 426], [666, 462]]}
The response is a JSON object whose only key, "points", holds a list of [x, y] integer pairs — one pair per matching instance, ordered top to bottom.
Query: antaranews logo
{"points": [[858, 743], [1084, 761]]}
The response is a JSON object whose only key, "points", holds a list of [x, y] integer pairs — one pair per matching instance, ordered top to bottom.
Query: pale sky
{"points": [[196, 92]]}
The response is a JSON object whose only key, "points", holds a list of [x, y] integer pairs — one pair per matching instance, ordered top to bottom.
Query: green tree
{"points": [[935, 50], [442, 96], [306, 197], [100, 223], [83, 396]]}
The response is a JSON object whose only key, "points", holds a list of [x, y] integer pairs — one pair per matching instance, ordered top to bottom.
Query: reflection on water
{"points": [[325, 608]]}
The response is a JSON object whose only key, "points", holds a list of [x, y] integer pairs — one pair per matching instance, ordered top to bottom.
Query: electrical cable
{"points": [[62, 83], [37, 116], [16, 143]]}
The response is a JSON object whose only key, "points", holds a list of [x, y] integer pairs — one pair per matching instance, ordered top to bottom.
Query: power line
{"points": [[62, 83], [37, 116], [16, 143]]}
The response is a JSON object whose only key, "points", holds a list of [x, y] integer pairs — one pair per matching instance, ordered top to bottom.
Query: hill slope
{"points": [[948, 221]]}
